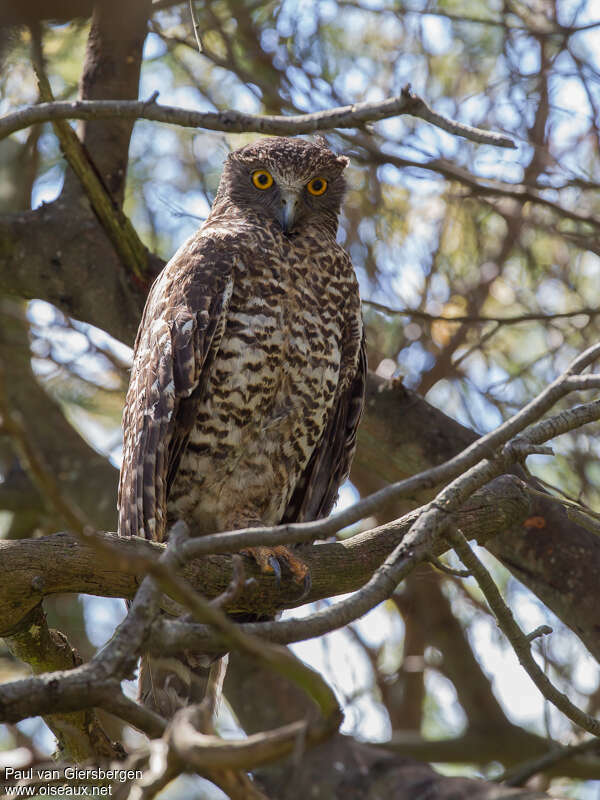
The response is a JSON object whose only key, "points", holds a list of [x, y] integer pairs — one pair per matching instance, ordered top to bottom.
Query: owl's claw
{"points": [[272, 559], [276, 567], [306, 586]]}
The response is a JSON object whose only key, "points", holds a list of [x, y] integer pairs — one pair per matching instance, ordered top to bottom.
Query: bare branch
{"points": [[237, 122], [479, 186], [417, 313], [236, 586], [519, 640], [96, 683], [80, 735], [513, 746], [204, 751], [519, 775]]}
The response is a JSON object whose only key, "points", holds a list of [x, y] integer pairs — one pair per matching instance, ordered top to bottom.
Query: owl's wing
{"points": [[180, 332], [329, 466]]}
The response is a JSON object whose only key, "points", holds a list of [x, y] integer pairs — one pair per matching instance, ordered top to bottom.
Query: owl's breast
{"points": [[276, 371]]}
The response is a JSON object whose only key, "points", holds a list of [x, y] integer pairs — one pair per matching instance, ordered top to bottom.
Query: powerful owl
{"points": [[248, 377]]}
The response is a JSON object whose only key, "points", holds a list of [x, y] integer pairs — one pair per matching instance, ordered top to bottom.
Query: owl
{"points": [[248, 377]]}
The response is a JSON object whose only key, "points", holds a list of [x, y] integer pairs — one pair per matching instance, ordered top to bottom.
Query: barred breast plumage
{"points": [[272, 384]]}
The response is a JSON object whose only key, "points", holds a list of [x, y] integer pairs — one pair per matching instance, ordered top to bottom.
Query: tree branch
{"points": [[112, 67], [237, 122], [119, 229], [400, 434], [35, 568], [519, 641], [80, 735], [510, 745]]}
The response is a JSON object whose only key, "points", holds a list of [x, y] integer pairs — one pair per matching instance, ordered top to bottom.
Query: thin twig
{"points": [[196, 25], [520, 192], [463, 319], [568, 504], [588, 519], [456, 573], [236, 585], [541, 630], [518, 639], [214, 692], [137, 715], [519, 775]]}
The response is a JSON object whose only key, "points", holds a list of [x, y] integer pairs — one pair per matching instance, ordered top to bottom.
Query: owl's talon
{"points": [[271, 560], [276, 567], [306, 586]]}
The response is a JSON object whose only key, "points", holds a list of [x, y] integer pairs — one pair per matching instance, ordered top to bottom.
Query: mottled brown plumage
{"points": [[248, 377]]}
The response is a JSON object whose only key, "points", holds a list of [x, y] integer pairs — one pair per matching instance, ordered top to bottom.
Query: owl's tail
{"points": [[167, 684]]}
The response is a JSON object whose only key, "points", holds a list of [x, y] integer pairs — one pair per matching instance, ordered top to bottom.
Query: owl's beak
{"points": [[287, 213]]}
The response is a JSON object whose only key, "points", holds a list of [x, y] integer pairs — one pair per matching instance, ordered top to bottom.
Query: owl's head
{"points": [[292, 181]]}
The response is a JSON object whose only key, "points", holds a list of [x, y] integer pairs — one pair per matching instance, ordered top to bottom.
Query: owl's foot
{"points": [[271, 559]]}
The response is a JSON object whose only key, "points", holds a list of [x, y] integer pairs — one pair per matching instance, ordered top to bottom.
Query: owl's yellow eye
{"points": [[262, 179], [317, 186]]}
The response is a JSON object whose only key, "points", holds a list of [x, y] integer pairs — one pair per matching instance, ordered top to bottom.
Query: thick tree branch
{"points": [[65, 258], [35, 568], [96, 683], [185, 744], [511, 745], [363, 770]]}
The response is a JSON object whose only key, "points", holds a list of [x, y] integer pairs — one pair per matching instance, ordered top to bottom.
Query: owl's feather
{"points": [[180, 332], [317, 490]]}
